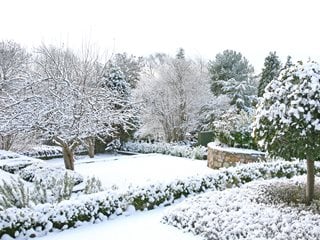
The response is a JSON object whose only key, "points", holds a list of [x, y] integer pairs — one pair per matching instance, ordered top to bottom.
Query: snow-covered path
{"points": [[139, 226]]}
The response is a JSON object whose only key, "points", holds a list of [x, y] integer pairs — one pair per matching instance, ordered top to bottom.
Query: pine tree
{"points": [[226, 66], [271, 70], [232, 75]]}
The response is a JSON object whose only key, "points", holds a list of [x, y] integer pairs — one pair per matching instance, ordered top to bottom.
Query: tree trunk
{"points": [[6, 141], [91, 149], [68, 157], [310, 182]]}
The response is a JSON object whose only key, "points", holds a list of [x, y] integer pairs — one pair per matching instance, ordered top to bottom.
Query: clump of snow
{"points": [[237, 214]]}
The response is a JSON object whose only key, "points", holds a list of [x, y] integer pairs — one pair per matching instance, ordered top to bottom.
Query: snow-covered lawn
{"points": [[137, 170], [142, 170], [139, 226]]}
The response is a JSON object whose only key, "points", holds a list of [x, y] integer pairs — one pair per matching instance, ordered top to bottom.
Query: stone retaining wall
{"points": [[225, 157]]}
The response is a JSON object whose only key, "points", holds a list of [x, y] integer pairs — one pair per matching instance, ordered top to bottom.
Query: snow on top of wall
{"points": [[213, 145]]}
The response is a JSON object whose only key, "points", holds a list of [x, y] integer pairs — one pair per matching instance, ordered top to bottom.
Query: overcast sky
{"points": [[141, 27]]}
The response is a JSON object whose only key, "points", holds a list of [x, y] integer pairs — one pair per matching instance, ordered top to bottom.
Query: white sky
{"points": [[141, 27]]}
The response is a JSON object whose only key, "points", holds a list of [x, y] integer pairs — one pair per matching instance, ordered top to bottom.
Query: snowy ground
{"points": [[142, 169], [123, 171], [139, 226]]}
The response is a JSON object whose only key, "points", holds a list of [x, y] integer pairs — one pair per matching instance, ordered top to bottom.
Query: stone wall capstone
{"points": [[226, 156]]}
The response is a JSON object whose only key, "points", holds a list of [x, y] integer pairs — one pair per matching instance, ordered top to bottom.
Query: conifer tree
{"points": [[272, 66]]}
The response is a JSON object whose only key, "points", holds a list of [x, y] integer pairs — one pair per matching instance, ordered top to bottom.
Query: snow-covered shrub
{"points": [[234, 129], [177, 150], [47, 152], [12, 162], [43, 173], [92, 185], [288, 192], [14, 193], [20, 194], [98, 206], [236, 214]]}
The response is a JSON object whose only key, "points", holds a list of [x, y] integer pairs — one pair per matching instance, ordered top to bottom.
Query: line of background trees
{"points": [[70, 98]]}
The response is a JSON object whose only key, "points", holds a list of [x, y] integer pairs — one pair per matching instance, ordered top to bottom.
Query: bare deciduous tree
{"points": [[14, 81], [173, 94], [74, 106]]}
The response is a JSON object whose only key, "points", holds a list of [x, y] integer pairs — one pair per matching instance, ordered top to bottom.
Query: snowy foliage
{"points": [[130, 66], [271, 70], [231, 74], [116, 81], [14, 85], [172, 94], [289, 113], [234, 129], [177, 150], [47, 152], [12, 162], [43, 173], [244, 213], [41, 219]]}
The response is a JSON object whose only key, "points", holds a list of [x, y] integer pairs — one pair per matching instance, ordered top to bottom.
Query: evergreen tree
{"points": [[181, 54], [228, 65], [130, 66], [271, 70], [231, 74], [115, 80]]}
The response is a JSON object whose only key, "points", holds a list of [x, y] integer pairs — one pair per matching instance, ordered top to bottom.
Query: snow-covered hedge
{"points": [[186, 151], [47, 152], [12, 162], [41, 172], [238, 213], [28, 222]]}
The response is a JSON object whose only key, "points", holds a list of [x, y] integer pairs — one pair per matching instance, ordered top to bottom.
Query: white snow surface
{"points": [[137, 170], [124, 171], [139, 226]]}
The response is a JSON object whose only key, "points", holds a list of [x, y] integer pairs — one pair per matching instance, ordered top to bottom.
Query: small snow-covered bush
{"points": [[186, 151], [12, 162], [42, 172], [92, 185], [14, 193], [20, 194], [238, 213]]}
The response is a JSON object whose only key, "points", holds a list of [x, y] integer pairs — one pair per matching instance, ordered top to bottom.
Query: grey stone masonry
{"points": [[225, 156]]}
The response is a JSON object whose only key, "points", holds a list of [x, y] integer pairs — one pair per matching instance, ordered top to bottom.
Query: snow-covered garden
{"points": [[165, 110], [131, 186]]}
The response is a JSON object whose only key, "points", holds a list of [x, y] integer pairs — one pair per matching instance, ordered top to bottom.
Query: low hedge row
{"points": [[187, 151], [37, 221]]}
